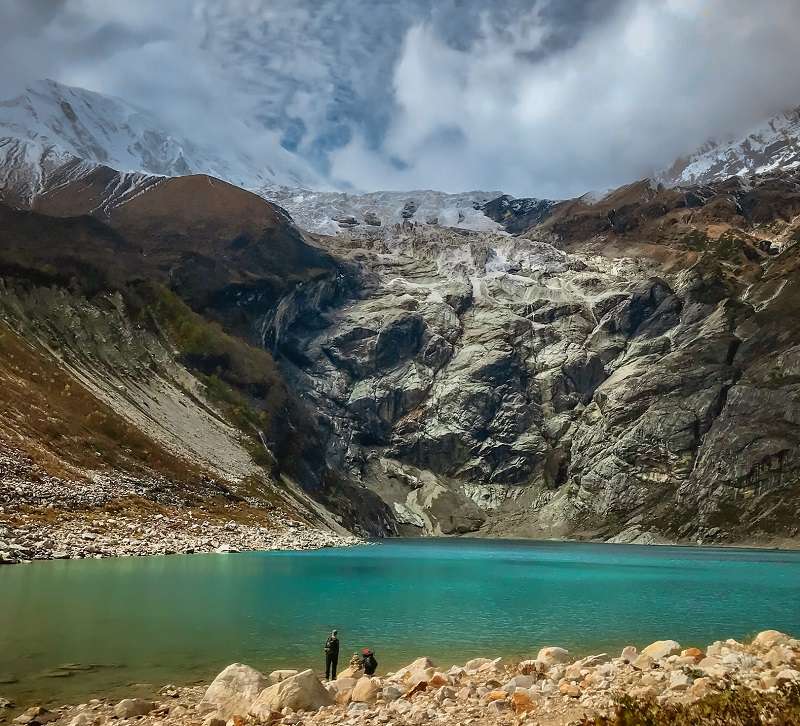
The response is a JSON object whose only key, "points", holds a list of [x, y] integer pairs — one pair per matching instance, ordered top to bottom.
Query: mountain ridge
{"points": [[51, 126], [770, 145], [585, 368]]}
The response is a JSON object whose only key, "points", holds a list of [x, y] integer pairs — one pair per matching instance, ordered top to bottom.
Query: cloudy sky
{"points": [[548, 98]]}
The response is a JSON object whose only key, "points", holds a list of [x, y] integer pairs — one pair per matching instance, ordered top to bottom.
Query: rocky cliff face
{"points": [[143, 319], [620, 368], [625, 368]]}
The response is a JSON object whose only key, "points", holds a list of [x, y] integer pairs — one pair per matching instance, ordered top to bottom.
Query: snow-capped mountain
{"points": [[51, 125], [53, 135], [773, 144], [330, 212]]}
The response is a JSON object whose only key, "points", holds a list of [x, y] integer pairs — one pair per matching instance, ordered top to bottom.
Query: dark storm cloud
{"points": [[546, 97]]}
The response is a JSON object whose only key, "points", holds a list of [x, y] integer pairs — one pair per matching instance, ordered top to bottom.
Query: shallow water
{"points": [[181, 619]]}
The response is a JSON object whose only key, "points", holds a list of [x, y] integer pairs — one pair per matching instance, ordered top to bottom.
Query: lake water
{"points": [[73, 629]]}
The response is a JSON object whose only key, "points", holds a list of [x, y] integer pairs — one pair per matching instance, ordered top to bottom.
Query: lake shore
{"points": [[130, 532], [47, 534], [782, 543], [551, 689]]}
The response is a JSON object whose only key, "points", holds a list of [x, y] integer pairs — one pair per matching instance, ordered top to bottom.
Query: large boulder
{"points": [[768, 639], [662, 649], [553, 655], [420, 664], [482, 665], [352, 671], [281, 675], [788, 675], [422, 676], [519, 682], [343, 683], [341, 689], [366, 690], [233, 691], [302, 692], [132, 707], [35, 716]]}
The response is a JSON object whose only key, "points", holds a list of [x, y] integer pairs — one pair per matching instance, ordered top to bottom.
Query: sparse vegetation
{"points": [[206, 347], [243, 380], [73, 429], [729, 707]]}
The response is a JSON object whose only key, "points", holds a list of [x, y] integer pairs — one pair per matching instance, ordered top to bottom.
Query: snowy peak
{"points": [[51, 124], [92, 127], [773, 144], [332, 212]]}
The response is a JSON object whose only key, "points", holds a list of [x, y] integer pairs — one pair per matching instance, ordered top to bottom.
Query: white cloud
{"points": [[538, 97], [624, 101]]}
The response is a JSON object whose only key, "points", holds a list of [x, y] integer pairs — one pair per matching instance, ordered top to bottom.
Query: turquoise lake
{"points": [[181, 619]]}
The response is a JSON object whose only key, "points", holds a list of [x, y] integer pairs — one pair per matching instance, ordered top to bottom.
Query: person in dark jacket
{"points": [[331, 655], [368, 662]]}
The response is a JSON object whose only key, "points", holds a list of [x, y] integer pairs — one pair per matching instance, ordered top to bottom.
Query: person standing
{"points": [[331, 655]]}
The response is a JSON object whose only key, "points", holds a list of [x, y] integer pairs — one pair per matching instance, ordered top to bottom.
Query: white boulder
{"points": [[768, 639], [662, 649], [553, 655], [420, 664], [482, 665], [281, 675], [788, 675], [518, 682], [366, 690], [233, 691], [302, 692], [132, 707]]}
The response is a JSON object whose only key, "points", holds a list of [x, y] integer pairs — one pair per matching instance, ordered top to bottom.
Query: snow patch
{"points": [[51, 124], [319, 211]]}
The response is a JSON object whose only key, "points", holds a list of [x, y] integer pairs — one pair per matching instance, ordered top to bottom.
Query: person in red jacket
{"points": [[368, 662]]}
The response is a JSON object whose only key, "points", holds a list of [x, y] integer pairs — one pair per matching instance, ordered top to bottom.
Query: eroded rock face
{"points": [[624, 368], [600, 377]]}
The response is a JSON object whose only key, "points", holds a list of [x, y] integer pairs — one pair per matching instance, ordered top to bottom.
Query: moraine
{"points": [[76, 629]]}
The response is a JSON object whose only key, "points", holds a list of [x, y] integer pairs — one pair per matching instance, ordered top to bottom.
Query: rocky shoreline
{"points": [[45, 517], [87, 534], [80, 535], [552, 689]]}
